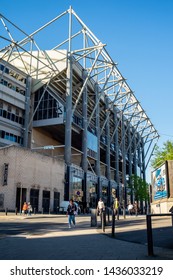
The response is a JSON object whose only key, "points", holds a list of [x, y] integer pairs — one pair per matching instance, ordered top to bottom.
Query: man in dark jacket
{"points": [[71, 212]]}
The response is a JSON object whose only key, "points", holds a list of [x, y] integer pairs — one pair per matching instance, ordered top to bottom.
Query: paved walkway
{"points": [[82, 242]]}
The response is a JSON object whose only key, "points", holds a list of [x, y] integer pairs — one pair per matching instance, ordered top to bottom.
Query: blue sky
{"points": [[139, 37]]}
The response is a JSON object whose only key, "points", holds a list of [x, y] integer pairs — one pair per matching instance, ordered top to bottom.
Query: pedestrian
{"points": [[135, 206], [100, 207], [116, 207], [25, 208], [130, 208], [29, 209], [71, 212]]}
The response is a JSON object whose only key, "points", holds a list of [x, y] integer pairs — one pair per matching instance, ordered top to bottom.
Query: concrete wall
{"points": [[30, 170], [162, 206]]}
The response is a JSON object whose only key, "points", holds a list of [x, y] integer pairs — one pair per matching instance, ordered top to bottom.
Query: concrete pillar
{"points": [[28, 194], [51, 199], [40, 200]]}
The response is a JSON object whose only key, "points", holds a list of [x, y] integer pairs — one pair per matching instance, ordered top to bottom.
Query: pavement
{"points": [[47, 237]]}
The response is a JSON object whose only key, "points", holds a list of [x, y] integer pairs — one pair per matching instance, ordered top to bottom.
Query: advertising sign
{"points": [[5, 177], [159, 183]]}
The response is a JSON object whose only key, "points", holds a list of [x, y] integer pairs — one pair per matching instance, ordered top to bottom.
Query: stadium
{"points": [[70, 125]]}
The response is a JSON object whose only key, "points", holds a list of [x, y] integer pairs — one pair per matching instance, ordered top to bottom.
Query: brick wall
{"points": [[30, 170]]}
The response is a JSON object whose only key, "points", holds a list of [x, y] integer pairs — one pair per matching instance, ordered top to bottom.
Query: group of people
{"points": [[133, 208], [27, 209], [72, 210]]}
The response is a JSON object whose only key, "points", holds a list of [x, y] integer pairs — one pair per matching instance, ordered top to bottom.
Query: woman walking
{"points": [[71, 212]]}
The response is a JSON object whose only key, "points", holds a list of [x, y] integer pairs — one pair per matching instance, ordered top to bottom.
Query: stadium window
{"points": [[2, 67], [6, 70], [9, 108], [4, 114], [9, 116], [13, 117], [17, 119]]}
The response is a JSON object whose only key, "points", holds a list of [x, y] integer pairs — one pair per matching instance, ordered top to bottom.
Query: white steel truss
{"points": [[77, 41]]}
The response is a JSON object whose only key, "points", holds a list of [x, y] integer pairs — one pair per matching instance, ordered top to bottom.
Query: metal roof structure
{"points": [[88, 52]]}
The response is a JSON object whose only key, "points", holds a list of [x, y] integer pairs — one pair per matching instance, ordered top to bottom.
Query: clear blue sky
{"points": [[139, 37]]}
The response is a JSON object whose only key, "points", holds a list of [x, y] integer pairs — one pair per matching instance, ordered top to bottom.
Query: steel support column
{"points": [[27, 111], [97, 118], [68, 126], [107, 129], [84, 139], [134, 154], [130, 160], [143, 160], [123, 165], [117, 177]]}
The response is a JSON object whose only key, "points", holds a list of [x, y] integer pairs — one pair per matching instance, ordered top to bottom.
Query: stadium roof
{"points": [[25, 51]]}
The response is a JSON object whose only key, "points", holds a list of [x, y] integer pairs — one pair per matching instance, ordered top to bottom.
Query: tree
{"points": [[162, 154], [139, 188]]}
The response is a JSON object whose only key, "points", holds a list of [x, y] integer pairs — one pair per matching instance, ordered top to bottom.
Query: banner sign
{"points": [[5, 177], [159, 183]]}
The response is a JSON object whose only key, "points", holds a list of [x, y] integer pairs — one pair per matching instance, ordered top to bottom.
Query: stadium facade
{"points": [[71, 104]]}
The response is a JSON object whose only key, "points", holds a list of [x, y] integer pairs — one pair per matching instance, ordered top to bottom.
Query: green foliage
{"points": [[162, 154], [139, 188]]}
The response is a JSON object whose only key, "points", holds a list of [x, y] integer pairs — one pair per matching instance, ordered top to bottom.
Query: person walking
{"points": [[135, 206], [100, 207], [25, 208], [116, 208], [130, 208], [29, 209], [71, 212]]}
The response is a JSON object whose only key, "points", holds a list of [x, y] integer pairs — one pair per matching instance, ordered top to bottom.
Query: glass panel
{"points": [[77, 193], [91, 194], [105, 194]]}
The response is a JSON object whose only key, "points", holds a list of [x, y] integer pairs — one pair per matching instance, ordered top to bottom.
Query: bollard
{"points": [[42, 210], [6, 211], [16, 211], [34, 211], [108, 211], [118, 213], [93, 217], [103, 221], [113, 224], [149, 236]]}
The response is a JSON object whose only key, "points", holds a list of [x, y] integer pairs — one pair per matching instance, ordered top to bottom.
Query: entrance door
{"points": [[34, 195], [20, 198], [46, 201], [56, 201]]}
